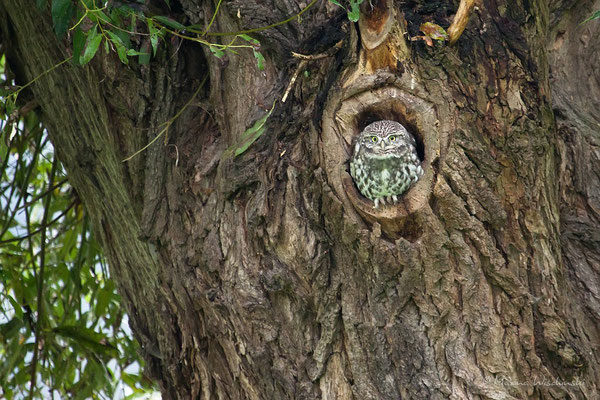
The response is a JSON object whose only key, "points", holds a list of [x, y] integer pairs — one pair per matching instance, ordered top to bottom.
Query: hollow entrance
{"points": [[393, 112], [343, 122]]}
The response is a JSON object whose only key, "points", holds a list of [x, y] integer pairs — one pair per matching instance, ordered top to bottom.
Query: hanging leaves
{"points": [[353, 10], [62, 12], [169, 22], [93, 42], [260, 59], [78, 315]]}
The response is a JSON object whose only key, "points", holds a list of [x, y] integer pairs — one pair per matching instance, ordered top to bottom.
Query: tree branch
{"points": [[460, 20], [40, 282]]}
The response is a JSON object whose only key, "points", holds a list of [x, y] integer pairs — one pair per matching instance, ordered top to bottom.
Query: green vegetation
{"points": [[63, 332]]}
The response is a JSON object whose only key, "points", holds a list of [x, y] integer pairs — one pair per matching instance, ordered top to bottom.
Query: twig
{"points": [[213, 18], [460, 20], [262, 28], [328, 53], [310, 56], [304, 61], [299, 69], [15, 93], [30, 105], [168, 123], [23, 190], [41, 195], [29, 234], [40, 282]]}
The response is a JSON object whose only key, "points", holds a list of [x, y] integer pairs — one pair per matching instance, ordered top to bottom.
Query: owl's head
{"points": [[384, 139]]}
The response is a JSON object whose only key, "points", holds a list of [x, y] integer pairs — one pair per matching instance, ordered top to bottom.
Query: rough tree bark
{"points": [[267, 276]]}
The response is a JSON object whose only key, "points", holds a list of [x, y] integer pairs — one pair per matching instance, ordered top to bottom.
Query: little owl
{"points": [[385, 162]]}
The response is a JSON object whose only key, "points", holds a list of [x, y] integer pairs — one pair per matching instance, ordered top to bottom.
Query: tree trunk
{"points": [[266, 275]]}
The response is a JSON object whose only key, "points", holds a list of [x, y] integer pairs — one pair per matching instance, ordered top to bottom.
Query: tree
{"points": [[249, 265]]}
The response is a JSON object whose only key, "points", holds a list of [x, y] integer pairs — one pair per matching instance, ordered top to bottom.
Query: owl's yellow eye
{"points": [[393, 138], [374, 139]]}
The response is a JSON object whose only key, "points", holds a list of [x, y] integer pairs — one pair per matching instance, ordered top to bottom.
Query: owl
{"points": [[385, 162]]}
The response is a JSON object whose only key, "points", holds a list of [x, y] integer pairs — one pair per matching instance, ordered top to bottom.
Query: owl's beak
{"points": [[385, 148]]}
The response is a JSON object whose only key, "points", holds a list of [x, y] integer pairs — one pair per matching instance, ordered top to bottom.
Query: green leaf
{"points": [[336, 3], [62, 11], [354, 13], [98, 15], [595, 15], [169, 22], [195, 28], [434, 31], [153, 36], [119, 37], [250, 39], [93, 43], [78, 44], [120, 47], [216, 51], [133, 52], [122, 53], [144, 57], [260, 60], [250, 135], [3, 147], [68, 243], [17, 283], [102, 301], [16, 306], [10, 329], [88, 338], [15, 353], [62, 368], [22, 376], [130, 379]]}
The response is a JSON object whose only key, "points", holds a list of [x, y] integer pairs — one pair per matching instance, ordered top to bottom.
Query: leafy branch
{"points": [[103, 25], [40, 283], [58, 305]]}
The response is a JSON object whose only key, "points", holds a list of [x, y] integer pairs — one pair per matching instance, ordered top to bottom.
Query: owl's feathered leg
{"points": [[395, 198], [376, 203]]}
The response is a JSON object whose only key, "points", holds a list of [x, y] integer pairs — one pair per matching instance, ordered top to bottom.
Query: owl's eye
{"points": [[393, 138], [374, 139]]}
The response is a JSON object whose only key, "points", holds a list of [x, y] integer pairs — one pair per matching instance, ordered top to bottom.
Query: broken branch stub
{"points": [[375, 22]]}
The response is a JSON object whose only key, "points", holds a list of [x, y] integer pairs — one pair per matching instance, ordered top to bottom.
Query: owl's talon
{"points": [[376, 203]]}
